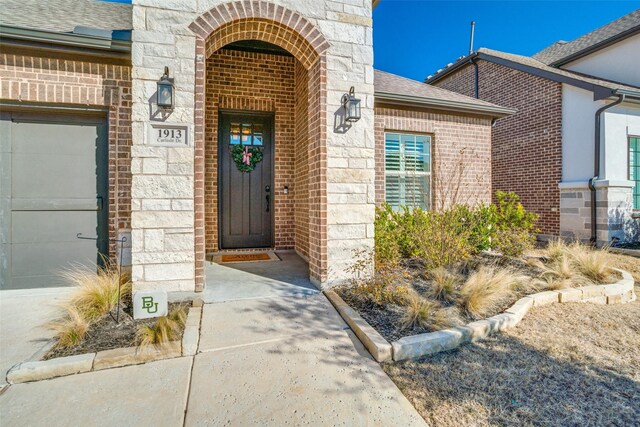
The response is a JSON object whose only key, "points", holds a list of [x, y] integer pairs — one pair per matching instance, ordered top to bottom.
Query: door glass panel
{"points": [[235, 134], [246, 134], [257, 134]]}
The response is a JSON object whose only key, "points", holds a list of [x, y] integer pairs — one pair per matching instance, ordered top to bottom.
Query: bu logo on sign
{"points": [[149, 305]]}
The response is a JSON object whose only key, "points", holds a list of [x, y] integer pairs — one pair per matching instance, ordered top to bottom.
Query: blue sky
{"points": [[413, 38]]}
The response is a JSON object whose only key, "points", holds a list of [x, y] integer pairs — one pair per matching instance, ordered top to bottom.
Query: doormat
{"points": [[244, 257]]}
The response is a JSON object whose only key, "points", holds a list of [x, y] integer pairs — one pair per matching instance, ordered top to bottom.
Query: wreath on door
{"points": [[245, 157]]}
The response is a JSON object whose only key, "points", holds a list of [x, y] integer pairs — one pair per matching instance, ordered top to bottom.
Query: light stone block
{"points": [[169, 271], [570, 295], [545, 298], [150, 304], [425, 344], [135, 355], [45, 369]]}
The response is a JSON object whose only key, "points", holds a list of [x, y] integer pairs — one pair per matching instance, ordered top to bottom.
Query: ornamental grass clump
{"points": [[592, 264], [444, 284], [487, 288], [96, 292], [424, 313], [166, 328], [71, 329]]}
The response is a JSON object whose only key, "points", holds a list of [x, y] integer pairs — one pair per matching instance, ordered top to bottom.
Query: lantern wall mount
{"points": [[166, 90], [351, 106]]}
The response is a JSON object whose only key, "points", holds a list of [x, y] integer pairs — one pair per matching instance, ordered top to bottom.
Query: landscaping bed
{"points": [[106, 334], [568, 364]]}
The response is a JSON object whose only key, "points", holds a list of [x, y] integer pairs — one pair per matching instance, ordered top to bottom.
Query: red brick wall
{"points": [[62, 80], [257, 82], [456, 139], [527, 147], [301, 182]]}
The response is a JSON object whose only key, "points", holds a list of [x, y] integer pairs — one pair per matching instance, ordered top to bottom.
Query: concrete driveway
{"points": [[264, 361]]}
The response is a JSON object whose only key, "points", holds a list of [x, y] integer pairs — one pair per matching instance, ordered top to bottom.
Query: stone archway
{"points": [[267, 22]]}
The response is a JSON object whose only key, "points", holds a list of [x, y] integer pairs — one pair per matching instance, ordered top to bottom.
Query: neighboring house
{"points": [[576, 101], [87, 146]]}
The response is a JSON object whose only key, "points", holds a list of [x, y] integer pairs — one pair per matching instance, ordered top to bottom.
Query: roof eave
{"points": [[51, 40], [596, 47], [459, 63], [440, 104]]}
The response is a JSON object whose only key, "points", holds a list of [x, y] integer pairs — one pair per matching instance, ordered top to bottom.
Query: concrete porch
{"points": [[288, 277]]}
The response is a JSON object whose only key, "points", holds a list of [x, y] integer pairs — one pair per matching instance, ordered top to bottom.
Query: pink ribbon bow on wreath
{"points": [[246, 156]]}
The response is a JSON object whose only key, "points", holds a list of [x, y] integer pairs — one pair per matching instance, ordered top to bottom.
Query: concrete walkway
{"points": [[23, 316], [261, 361]]}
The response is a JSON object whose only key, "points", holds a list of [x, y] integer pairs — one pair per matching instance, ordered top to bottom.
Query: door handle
{"points": [[268, 197]]}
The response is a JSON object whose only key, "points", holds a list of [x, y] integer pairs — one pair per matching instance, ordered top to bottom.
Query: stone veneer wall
{"points": [[333, 40], [66, 80], [255, 82], [451, 134], [527, 146], [613, 207]]}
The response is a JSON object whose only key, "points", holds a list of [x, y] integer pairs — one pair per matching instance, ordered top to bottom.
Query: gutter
{"points": [[69, 42], [416, 101], [596, 167]]}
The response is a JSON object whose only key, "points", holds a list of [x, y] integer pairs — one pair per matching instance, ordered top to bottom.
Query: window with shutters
{"points": [[407, 160]]}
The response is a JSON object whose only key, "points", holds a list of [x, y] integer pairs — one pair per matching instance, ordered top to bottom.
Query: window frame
{"points": [[629, 138], [430, 174]]}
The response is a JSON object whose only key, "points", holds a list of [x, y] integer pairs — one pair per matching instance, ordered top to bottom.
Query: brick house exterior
{"points": [[530, 140], [545, 152], [327, 174]]}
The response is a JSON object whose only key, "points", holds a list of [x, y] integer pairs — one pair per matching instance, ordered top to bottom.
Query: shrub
{"points": [[514, 225], [386, 237], [444, 284], [486, 288], [381, 289], [96, 292], [421, 312], [166, 328], [70, 329]]}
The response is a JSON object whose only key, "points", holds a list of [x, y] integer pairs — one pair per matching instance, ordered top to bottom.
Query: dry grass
{"points": [[626, 262], [444, 284], [486, 288], [96, 293], [424, 313], [166, 328], [70, 329], [564, 365]]}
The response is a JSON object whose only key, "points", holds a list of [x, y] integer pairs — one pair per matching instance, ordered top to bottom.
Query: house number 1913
{"points": [[169, 135]]}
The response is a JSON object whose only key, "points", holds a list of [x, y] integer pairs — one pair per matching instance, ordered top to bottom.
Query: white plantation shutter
{"points": [[408, 170]]}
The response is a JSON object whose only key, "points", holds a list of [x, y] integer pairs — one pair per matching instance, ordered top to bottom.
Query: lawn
{"points": [[569, 364]]}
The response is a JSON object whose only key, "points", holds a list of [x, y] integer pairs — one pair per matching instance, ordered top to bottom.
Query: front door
{"points": [[246, 180]]}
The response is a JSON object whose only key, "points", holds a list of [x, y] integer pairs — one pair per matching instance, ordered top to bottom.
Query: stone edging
{"points": [[623, 251], [434, 342], [379, 347], [36, 370]]}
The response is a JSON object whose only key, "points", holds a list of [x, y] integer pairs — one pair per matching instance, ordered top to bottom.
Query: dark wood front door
{"points": [[246, 198]]}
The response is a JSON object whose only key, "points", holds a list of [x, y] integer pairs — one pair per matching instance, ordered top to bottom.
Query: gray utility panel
{"points": [[53, 185]]}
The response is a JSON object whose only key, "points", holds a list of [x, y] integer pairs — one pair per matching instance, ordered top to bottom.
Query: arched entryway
{"points": [[263, 61]]}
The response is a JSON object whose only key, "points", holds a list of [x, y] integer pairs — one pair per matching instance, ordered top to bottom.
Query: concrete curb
{"points": [[434, 342], [379, 347], [106, 359], [45, 369]]}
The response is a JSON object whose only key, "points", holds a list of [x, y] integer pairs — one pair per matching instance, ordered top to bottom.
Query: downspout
{"points": [[476, 82], [596, 169]]}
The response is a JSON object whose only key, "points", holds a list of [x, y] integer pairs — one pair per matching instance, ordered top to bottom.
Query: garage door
{"points": [[53, 185]]}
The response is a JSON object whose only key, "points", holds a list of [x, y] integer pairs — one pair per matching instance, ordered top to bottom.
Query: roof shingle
{"points": [[64, 16], [562, 50]]}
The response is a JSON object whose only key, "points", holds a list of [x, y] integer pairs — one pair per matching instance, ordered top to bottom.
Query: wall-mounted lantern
{"points": [[164, 96], [351, 106]]}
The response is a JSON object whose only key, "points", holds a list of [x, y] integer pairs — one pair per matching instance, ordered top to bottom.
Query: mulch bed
{"points": [[387, 319], [106, 334], [564, 365]]}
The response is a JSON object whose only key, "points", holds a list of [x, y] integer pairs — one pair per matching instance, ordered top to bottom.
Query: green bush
{"points": [[514, 225], [443, 238]]}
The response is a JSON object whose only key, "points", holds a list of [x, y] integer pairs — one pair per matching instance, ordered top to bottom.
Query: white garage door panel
{"points": [[58, 187]]}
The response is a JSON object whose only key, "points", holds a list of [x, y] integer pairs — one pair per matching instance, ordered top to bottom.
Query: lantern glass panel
{"points": [[165, 94]]}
